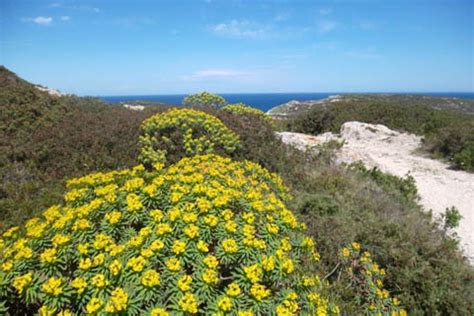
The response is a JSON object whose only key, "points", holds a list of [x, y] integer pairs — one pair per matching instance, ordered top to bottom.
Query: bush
{"points": [[204, 99], [241, 108], [169, 136], [205, 235]]}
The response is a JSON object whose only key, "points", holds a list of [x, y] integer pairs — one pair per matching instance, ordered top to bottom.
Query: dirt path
{"points": [[377, 146]]}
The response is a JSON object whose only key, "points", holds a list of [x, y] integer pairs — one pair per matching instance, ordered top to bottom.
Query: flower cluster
{"points": [[241, 108], [184, 132], [206, 235], [367, 276]]}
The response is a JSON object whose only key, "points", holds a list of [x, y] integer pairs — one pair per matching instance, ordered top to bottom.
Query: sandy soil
{"points": [[377, 146]]}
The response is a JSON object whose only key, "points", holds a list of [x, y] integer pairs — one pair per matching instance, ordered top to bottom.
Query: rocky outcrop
{"points": [[52, 92], [294, 107], [439, 186]]}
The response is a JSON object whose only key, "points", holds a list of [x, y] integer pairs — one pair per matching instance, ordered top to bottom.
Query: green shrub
{"points": [[204, 99], [169, 136], [452, 218], [206, 235]]}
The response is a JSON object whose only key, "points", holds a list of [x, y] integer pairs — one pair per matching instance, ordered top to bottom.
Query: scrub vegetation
{"points": [[358, 236]]}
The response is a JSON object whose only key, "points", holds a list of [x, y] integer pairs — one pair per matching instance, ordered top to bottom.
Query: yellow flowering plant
{"points": [[241, 108], [171, 135], [174, 249], [367, 277]]}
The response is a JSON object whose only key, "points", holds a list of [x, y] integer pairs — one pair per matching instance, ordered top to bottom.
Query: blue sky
{"points": [[116, 47]]}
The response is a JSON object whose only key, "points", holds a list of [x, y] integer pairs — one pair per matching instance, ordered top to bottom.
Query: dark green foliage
{"points": [[447, 133], [452, 218]]}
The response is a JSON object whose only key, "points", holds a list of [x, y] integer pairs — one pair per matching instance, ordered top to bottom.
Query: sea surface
{"points": [[262, 101]]}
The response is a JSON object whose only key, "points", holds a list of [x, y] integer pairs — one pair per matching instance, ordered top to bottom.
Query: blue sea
{"points": [[262, 101]]}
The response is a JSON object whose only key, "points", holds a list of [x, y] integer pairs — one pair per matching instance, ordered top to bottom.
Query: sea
{"points": [[262, 101]]}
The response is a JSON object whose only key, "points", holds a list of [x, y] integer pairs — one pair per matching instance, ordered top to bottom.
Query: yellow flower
{"points": [[133, 202], [113, 217], [211, 220], [81, 224], [230, 226], [162, 229], [191, 231], [60, 239], [157, 245], [230, 245], [202, 246], [355, 246], [178, 247], [83, 248], [345, 252], [48, 256], [98, 260], [211, 262], [136, 263], [268, 263], [85, 264], [173, 264], [7, 266], [287, 266], [115, 267], [253, 273], [210, 276], [150, 278], [22, 281], [99, 281], [184, 283], [79, 284], [52, 286], [233, 289], [259, 292], [117, 302], [188, 303], [225, 304], [94, 305], [159, 312]]}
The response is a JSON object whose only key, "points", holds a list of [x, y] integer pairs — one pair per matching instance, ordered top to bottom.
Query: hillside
{"points": [[358, 218]]}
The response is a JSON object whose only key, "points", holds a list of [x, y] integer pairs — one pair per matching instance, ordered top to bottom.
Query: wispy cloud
{"points": [[74, 7], [325, 11], [65, 18], [40, 20], [325, 26], [241, 29], [216, 73]]}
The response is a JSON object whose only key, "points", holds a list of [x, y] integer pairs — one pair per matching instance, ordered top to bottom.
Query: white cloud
{"points": [[325, 11], [65, 18], [40, 20], [326, 26], [241, 29], [216, 73]]}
